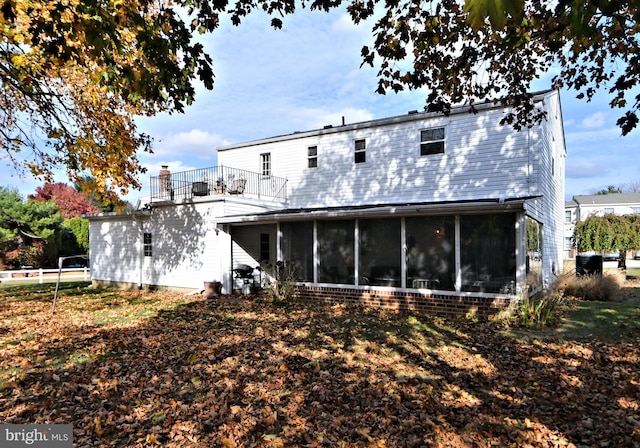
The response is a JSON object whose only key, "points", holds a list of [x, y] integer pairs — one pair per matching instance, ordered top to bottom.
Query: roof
{"points": [[410, 116], [608, 199], [496, 205]]}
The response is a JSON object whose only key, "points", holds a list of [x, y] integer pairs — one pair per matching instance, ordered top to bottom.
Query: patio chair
{"points": [[237, 186]]}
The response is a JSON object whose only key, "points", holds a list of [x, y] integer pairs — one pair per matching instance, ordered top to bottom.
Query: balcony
{"points": [[215, 182]]}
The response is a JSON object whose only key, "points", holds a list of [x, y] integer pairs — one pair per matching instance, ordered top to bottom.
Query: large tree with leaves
{"points": [[74, 73], [71, 203], [29, 231], [608, 233]]}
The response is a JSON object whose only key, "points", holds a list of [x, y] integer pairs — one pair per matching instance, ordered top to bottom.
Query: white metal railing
{"points": [[45, 275]]}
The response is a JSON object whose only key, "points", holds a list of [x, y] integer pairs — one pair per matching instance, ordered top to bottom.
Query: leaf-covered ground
{"points": [[159, 369]]}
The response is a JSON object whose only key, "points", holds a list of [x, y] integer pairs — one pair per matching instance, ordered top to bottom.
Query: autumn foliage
{"points": [[70, 202], [146, 369]]}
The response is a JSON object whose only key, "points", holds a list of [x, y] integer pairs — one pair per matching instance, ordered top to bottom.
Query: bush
{"points": [[280, 280], [604, 287], [535, 312], [538, 312]]}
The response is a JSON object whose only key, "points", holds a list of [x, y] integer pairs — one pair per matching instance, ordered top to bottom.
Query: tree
{"points": [[492, 51], [78, 71], [74, 73], [631, 187], [609, 190], [103, 200], [70, 202], [79, 227], [29, 231], [608, 233]]}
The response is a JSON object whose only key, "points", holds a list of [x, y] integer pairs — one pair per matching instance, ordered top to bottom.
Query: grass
{"points": [[605, 321], [133, 369]]}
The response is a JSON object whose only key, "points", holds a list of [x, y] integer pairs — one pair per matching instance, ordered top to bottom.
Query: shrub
{"points": [[280, 280], [604, 287], [540, 311]]}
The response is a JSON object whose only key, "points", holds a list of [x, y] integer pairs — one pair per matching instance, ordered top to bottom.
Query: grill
{"points": [[245, 273]]}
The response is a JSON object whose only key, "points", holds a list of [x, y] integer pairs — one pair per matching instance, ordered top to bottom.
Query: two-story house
{"points": [[582, 206], [422, 211]]}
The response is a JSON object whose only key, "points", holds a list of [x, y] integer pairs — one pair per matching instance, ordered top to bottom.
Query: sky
{"points": [[308, 75]]}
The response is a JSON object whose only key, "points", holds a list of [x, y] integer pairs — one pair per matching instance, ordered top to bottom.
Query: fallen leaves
{"points": [[204, 373]]}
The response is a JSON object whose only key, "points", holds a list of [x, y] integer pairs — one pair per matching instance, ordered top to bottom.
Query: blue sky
{"points": [[307, 75]]}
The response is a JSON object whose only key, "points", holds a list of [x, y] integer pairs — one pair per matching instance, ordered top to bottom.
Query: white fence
{"points": [[45, 275]]}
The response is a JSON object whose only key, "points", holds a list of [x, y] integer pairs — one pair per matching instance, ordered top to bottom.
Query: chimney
{"points": [[165, 181]]}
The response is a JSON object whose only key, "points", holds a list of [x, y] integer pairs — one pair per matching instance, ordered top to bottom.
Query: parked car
{"points": [[611, 256]]}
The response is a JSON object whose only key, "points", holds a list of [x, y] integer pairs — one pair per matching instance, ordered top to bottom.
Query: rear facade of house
{"points": [[446, 214]]}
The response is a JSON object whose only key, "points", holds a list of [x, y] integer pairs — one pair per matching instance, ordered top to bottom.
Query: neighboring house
{"points": [[580, 207], [447, 214]]}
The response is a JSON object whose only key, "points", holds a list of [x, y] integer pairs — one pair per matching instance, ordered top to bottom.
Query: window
{"points": [[431, 141], [360, 151], [312, 154], [265, 164], [608, 210], [635, 210], [567, 216], [336, 242], [568, 243], [147, 246], [264, 247], [297, 247], [380, 252], [431, 252], [487, 252]]}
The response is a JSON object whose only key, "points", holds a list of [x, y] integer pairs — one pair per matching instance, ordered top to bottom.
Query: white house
{"points": [[582, 206], [424, 211]]}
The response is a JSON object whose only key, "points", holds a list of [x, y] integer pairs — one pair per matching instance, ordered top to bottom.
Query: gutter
{"points": [[503, 205]]}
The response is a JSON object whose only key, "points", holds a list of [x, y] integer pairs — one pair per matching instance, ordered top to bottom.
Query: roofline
{"points": [[410, 116], [384, 210], [115, 215]]}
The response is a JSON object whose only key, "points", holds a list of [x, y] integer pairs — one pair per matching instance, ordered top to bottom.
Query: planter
{"points": [[212, 289]]}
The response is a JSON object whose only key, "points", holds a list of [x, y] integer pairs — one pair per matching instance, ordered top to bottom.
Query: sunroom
{"points": [[481, 247]]}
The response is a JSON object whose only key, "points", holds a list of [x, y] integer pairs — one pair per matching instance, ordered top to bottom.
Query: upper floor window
{"points": [[431, 141], [360, 151], [312, 155], [265, 164], [567, 216], [148, 248]]}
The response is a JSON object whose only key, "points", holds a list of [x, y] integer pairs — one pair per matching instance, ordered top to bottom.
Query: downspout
{"points": [[139, 248]]}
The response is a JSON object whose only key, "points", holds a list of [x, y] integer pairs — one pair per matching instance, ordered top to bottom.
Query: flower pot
{"points": [[212, 289]]}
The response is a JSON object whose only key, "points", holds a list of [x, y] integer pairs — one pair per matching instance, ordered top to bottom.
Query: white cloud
{"points": [[594, 121], [195, 143]]}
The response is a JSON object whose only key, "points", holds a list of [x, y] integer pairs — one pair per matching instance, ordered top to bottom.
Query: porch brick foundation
{"points": [[436, 304]]}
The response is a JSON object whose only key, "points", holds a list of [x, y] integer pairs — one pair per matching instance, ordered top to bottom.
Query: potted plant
{"points": [[212, 289]]}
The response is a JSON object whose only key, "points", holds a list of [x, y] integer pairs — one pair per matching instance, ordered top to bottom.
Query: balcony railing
{"points": [[218, 180]]}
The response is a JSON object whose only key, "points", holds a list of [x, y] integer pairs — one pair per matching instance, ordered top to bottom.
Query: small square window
{"points": [[431, 141], [360, 151], [312, 154], [148, 247]]}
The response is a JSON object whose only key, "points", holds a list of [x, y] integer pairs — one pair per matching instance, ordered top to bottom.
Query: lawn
{"points": [[160, 369]]}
